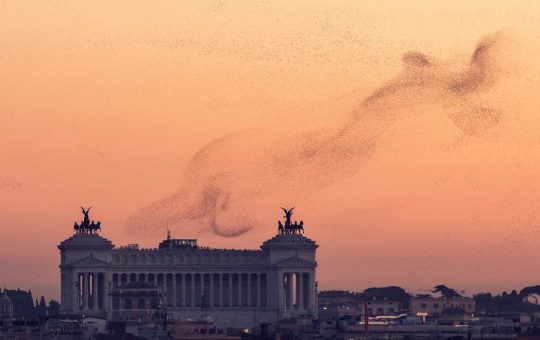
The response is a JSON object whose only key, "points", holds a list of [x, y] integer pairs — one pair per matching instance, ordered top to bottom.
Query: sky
{"points": [[406, 135]]}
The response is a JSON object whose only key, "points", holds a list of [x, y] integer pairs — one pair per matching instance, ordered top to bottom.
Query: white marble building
{"points": [[241, 288]]}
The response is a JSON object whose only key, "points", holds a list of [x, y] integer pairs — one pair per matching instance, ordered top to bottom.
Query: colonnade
{"points": [[219, 289], [222, 290], [91, 291], [297, 291]]}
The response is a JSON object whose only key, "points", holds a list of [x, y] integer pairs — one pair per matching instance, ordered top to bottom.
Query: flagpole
{"points": [[366, 319]]}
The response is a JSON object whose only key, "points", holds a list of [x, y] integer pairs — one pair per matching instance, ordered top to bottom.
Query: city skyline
{"points": [[405, 136]]}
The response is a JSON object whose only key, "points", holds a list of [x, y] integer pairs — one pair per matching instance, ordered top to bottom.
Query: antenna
{"points": [[168, 231]]}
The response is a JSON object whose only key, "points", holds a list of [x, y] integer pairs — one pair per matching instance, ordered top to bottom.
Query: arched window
{"points": [[140, 304]]}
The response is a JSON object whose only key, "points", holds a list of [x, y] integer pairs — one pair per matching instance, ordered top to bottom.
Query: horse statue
{"points": [[86, 226], [290, 228]]}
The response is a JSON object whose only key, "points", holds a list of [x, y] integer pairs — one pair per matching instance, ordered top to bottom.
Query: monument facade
{"points": [[237, 288]]}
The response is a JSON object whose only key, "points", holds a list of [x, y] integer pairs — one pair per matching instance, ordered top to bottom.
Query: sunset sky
{"points": [[408, 169]]}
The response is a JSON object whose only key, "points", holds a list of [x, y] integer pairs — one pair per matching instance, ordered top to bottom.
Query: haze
{"points": [[408, 145]]}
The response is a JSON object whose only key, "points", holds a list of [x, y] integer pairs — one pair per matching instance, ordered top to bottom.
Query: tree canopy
{"points": [[446, 292]]}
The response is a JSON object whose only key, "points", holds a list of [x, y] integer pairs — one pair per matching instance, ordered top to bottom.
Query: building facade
{"points": [[240, 288], [436, 305], [384, 307]]}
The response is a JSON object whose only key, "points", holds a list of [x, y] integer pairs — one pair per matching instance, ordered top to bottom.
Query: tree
{"points": [[446, 292], [394, 293], [41, 308], [54, 308]]}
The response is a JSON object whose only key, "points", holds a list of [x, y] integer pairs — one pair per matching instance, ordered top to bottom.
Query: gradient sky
{"points": [[104, 104]]}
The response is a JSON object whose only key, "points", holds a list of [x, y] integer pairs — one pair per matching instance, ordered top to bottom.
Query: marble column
{"points": [[300, 285], [106, 286], [164, 287], [283, 287], [174, 288], [192, 289], [249, 289], [202, 290], [230, 290], [239, 290], [289, 290], [85, 291], [221, 291], [281, 291], [94, 292], [183, 294], [259, 296], [312, 296], [211, 297], [76, 303]]}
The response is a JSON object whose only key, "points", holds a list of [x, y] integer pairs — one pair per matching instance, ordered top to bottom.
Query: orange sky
{"points": [[103, 104]]}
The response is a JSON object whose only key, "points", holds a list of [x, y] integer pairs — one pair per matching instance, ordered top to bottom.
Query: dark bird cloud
{"points": [[233, 173]]}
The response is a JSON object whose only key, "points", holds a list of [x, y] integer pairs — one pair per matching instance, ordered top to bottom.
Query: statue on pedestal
{"points": [[86, 226], [290, 228]]}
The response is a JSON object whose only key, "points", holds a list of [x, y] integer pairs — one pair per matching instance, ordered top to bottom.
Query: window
{"points": [[115, 302], [128, 304], [140, 304], [423, 305], [436, 305]]}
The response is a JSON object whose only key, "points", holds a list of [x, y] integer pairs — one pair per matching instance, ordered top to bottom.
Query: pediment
{"points": [[89, 261], [296, 262]]}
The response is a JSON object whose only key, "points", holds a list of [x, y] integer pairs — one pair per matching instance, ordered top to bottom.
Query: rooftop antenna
{"points": [[168, 231]]}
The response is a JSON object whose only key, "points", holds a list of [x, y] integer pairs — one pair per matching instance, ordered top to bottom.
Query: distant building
{"points": [[238, 288], [135, 301], [23, 303], [336, 303], [6, 306], [436, 306], [379, 307], [201, 329]]}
